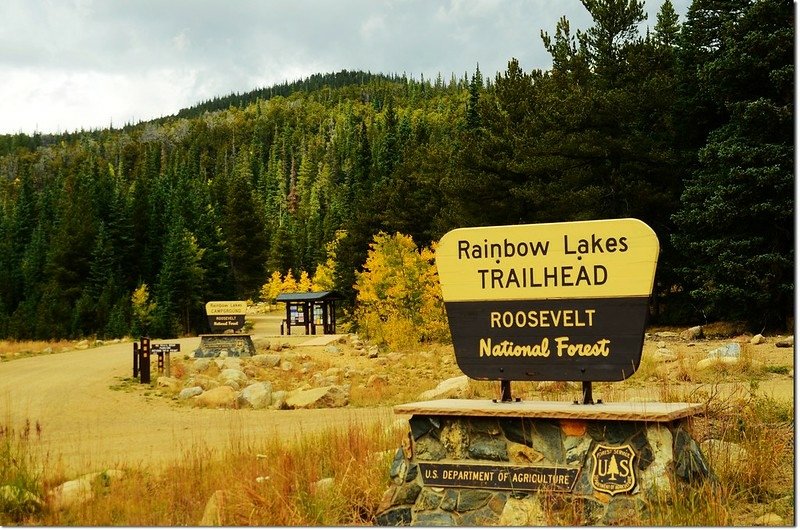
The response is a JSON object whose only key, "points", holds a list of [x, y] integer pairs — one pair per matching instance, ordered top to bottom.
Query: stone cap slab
{"points": [[626, 411]]}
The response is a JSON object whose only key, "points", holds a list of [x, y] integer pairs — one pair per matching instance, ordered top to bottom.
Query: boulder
{"points": [[692, 333], [666, 335], [758, 338], [787, 342], [332, 349], [732, 349], [372, 352], [665, 355], [266, 360], [716, 361], [234, 363], [202, 364], [235, 379], [377, 380], [203, 381], [170, 383], [455, 387], [190, 392], [256, 396], [220, 397], [318, 398], [279, 400], [722, 452], [322, 485], [70, 493], [212, 514], [769, 519]]}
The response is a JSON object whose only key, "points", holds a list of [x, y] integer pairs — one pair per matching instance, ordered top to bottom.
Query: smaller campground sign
{"points": [[549, 302], [226, 315]]}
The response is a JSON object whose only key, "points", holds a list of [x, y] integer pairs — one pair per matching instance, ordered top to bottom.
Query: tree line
{"points": [[688, 127]]}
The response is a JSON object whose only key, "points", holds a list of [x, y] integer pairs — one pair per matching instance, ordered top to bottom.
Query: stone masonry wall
{"points": [[664, 453]]}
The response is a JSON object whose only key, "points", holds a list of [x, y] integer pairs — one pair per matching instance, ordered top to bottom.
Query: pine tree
{"points": [[736, 223]]}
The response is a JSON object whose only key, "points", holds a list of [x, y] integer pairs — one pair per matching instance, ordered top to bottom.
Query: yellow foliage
{"points": [[323, 277], [289, 284], [304, 284], [271, 289], [399, 300], [143, 309]]}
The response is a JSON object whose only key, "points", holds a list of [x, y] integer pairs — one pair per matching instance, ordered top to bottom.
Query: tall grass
{"points": [[273, 482], [21, 489]]}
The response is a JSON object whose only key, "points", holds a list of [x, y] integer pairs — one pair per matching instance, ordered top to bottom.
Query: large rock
{"points": [[692, 333], [758, 338], [787, 342], [732, 349], [266, 360], [711, 362], [201, 365], [233, 378], [203, 381], [170, 383], [455, 387], [190, 392], [256, 396], [220, 397], [318, 398], [279, 400], [721, 453], [70, 493], [212, 514], [769, 519]]}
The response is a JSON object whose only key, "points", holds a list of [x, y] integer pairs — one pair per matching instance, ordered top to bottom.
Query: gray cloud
{"points": [[82, 63]]}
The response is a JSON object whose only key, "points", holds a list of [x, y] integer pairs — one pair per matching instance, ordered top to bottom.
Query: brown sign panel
{"points": [[548, 302], [221, 323], [162, 348], [502, 477]]}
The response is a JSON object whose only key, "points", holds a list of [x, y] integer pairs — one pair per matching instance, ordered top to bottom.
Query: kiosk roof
{"points": [[317, 296]]}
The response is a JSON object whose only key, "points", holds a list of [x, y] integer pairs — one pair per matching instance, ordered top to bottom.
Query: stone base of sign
{"points": [[235, 345], [480, 463]]}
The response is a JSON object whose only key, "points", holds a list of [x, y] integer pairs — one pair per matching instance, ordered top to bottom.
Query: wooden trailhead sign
{"points": [[549, 302]]}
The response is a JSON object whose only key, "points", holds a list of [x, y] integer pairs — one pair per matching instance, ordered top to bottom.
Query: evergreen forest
{"points": [[687, 126]]}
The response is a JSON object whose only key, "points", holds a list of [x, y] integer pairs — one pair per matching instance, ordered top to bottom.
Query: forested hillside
{"points": [[687, 127]]}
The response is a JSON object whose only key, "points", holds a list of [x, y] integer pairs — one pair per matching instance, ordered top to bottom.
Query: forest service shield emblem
{"points": [[612, 469]]}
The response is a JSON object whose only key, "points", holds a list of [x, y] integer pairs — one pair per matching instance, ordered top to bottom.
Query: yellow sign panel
{"points": [[585, 259], [226, 308]]}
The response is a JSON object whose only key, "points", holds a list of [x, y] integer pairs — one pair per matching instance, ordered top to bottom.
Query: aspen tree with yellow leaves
{"points": [[399, 300]]}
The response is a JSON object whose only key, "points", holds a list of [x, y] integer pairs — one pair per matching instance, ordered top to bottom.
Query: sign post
{"points": [[548, 302], [163, 351], [144, 359], [135, 360]]}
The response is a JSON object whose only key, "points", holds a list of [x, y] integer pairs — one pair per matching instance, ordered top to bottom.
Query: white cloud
{"points": [[71, 64], [66, 101]]}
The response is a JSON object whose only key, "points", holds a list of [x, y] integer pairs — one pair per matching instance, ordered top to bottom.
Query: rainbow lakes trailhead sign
{"points": [[549, 302]]}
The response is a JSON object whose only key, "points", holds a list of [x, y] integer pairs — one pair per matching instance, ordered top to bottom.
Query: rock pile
{"points": [[233, 382]]}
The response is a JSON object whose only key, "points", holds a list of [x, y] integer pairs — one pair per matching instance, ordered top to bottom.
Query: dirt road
{"points": [[88, 426]]}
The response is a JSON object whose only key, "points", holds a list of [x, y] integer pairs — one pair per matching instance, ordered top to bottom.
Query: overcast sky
{"points": [[67, 65]]}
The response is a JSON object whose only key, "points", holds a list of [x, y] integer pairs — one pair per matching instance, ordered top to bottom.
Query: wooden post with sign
{"points": [[544, 302], [163, 351], [144, 359], [135, 360]]}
